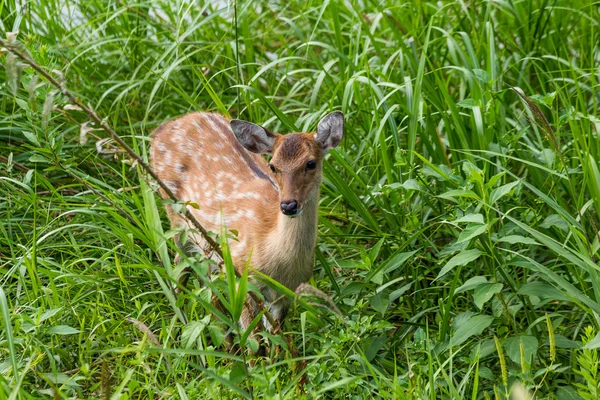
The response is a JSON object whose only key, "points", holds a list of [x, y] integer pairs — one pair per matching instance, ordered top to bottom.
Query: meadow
{"points": [[458, 243]]}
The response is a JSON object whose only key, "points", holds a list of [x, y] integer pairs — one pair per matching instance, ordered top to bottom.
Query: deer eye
{"points": [[312, 164], [273, 169]]}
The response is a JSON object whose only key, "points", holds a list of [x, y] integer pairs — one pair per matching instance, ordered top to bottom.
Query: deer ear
{"points": [[330, 130], [253, 137]]}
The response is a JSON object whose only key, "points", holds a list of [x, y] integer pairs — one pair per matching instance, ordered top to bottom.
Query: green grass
{"points": [[458, 222]]}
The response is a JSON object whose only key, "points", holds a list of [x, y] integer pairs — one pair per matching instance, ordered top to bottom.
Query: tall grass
{"points": [[458, 220]]}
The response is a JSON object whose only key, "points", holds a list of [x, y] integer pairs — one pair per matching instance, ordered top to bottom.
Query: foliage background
{"points": [[458, 220]]}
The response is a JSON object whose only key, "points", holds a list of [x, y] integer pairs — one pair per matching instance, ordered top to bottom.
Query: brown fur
{"points": [[200, 159]]}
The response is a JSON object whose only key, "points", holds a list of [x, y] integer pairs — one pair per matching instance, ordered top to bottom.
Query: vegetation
{"points": [[458, 221]]}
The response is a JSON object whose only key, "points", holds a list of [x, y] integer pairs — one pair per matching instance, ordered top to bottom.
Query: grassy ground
{"points": [[458, 222]]}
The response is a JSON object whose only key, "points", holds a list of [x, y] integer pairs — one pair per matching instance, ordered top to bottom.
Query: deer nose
{"points": [[289, 207]]}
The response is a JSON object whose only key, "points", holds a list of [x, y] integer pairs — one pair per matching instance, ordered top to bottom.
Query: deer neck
{"points": [[298, 235]]}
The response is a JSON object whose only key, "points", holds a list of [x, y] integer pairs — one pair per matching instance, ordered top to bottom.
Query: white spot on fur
{"points": [[210, 122], [196, 125], [179, 134], [168, 158], [172, 186], [246, 195], [250, 214]]}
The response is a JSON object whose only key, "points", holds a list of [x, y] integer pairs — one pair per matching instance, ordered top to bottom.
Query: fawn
{"points": [[209, 160]]}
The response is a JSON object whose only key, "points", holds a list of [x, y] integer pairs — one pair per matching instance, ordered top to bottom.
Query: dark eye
{"points": [[312, 164], [273, 170]]}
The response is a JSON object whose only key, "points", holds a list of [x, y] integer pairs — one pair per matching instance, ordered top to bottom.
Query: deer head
{"points": [[296, 158]]}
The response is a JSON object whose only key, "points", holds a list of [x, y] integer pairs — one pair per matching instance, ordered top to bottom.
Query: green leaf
{"points": [[481, 75], [544, 99], [467, 103], [22, 104], [31, 137], [546, 156], [38, 158], [472, 172], [492, 181], [411, 184], [502, 191], [451, 194], [472, 218], [555, 220], [471, 231], [517, 239], [374, 251], [462, 258], [397, 261], [390, 265], [547, 274], [472, 284], [542, 290], [399, 292], [485, 292], [379, 302], [49, 313], [462, 318], [473, 326], [63, 330], [191, 332], [7, 335], [216, 335], [566, 343], [594, 343], [375, 344], [486, 347], [513, 348], [237, 373], [486, 373], [60, 378], [345, 382], [567, 393]]}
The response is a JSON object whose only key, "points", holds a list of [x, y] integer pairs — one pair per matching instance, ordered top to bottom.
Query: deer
{"points": [[218, 166]]}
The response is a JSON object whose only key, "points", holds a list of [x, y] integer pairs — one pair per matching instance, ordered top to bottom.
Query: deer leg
{"points": [[188, 249], [249, 312]]}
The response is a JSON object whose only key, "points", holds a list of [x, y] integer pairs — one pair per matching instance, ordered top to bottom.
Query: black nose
{"points": [[289, 207]]}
